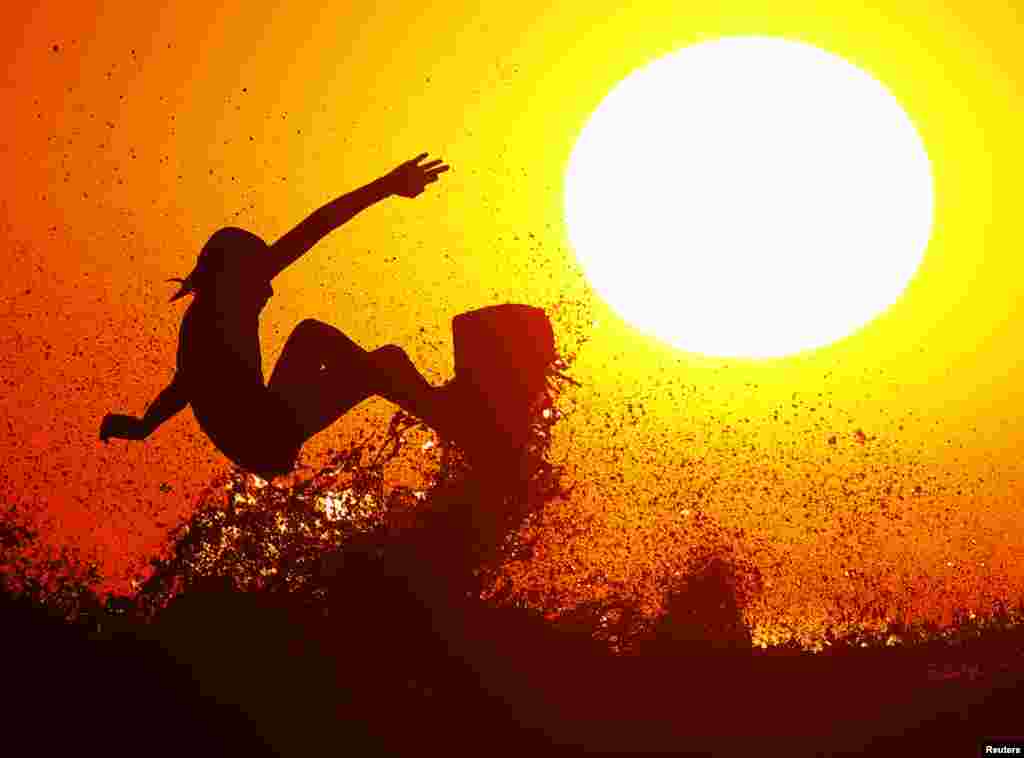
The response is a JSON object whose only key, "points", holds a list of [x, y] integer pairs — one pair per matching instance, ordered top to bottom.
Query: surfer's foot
{"points": [[450, 410], [464, 416]]}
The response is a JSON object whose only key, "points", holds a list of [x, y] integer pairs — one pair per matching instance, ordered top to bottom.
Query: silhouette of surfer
{"points": [[322, 373]]}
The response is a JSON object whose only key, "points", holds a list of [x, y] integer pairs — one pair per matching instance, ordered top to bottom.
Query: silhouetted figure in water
{"points": [[322, 373]]}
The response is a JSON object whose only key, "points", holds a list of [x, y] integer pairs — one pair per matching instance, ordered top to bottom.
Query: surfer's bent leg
{"points": [[322, 374], [396, 378]]}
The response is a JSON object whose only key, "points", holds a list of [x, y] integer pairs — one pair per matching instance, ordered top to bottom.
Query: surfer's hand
{"points": [[412, 177], [121, 427]]}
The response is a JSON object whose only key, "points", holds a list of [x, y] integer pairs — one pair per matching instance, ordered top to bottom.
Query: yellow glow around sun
{"points": [[749, 196]]}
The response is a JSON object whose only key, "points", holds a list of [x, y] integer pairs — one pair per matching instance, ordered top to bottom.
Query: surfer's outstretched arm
{"points": [[408, 180], [170, 401]]}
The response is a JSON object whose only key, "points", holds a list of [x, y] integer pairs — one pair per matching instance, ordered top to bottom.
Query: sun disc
{"points": [[749, 196]]}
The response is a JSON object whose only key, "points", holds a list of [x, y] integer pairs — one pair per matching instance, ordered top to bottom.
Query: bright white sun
{"points": [[749, 196]]}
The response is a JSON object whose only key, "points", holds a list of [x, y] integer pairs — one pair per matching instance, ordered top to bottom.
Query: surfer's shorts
{"points": [[265, 439], [281, 450]]}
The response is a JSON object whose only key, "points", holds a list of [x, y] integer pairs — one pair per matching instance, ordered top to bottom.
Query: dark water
{"points": [[285, 619]]}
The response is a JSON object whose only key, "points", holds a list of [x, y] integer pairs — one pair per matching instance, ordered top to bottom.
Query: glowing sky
{"points": [[132, 132]]}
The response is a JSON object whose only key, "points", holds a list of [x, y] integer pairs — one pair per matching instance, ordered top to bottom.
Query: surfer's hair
{"points": [[224, 246]]}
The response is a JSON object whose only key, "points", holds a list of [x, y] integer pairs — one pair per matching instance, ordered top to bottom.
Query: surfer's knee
{"points": [[310, 326], [309, 332]]}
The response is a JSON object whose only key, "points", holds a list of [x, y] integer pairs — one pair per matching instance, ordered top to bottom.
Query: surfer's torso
{"points": [[219, 357]]}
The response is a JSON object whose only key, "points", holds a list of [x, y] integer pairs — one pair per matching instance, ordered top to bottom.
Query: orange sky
{"points": [[133, 132]]}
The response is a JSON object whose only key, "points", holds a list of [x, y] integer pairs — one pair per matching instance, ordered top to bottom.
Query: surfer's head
{"points": [[221, 262]]}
